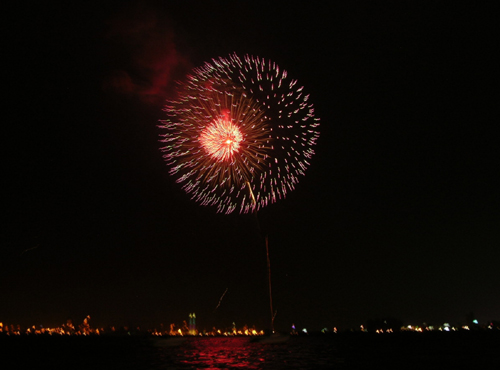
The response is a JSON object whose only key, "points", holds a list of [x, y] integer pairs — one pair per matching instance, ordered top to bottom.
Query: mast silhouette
{"points": [[267, 257], [270, 288]]}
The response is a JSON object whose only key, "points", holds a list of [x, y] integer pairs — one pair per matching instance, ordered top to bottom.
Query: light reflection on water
{"points": [[216, 353], [242, 353]]}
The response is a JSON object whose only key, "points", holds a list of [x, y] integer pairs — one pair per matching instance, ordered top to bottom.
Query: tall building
{"points": [[192, 323]]}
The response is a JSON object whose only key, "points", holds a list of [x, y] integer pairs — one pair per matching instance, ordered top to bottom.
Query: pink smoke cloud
{"points": [[145, 60]]}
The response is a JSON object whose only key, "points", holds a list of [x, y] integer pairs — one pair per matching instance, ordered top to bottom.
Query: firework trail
{"points": [[239, 134], [220, 299]]}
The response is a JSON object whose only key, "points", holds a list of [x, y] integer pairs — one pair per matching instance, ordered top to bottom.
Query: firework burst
{"points": [[239, 134]]}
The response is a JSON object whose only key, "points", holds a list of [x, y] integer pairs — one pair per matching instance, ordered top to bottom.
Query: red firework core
{"points": [[221, 139]]}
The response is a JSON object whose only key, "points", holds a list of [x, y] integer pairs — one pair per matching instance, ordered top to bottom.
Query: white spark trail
{"points": [[220, 299]]}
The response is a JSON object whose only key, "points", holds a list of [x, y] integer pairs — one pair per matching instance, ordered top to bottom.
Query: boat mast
{"points": [[268, 259], [270, 290]]}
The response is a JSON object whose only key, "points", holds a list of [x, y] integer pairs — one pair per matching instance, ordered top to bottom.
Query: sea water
{"points": [[343, 351]]}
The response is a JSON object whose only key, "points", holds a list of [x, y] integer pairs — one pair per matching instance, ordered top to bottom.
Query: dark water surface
{"points": [[346, 351]]}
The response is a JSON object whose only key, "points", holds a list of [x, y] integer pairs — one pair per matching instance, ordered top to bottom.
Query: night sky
{"points": [[397, 216]]}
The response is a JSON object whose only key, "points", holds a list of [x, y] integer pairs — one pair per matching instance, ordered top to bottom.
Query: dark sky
{"points": [[397, 216]]}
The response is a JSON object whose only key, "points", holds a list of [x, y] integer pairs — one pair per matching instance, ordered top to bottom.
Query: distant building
{"points": [[192, 324]]}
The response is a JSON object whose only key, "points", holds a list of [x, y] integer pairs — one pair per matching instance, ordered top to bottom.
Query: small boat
{"points": [[274, 338], [167, 342]]}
